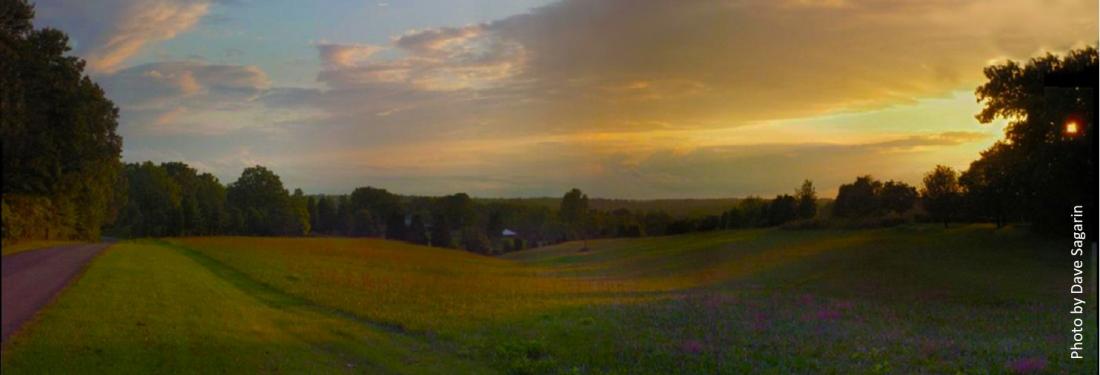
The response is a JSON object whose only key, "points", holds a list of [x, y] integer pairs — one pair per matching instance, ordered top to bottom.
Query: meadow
{"points": [[920, 298]]}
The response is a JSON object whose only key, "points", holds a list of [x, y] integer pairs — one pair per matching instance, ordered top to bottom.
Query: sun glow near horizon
{"points": [[625, 99]]}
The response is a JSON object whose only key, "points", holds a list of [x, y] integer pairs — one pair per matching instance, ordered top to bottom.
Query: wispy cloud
{"points": [[112, 31]]}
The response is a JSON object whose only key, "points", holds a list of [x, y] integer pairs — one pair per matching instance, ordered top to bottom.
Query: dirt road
{"points": [[31, 279]]}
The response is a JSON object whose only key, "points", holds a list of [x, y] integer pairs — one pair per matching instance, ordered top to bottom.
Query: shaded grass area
{"points": [[29, 245], [900, 300], [146, 308]]}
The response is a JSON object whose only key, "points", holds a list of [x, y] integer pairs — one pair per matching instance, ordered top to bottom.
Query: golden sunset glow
{"points": [[531, 97]]}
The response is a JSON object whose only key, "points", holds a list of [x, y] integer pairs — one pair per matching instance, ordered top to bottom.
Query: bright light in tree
{"points": [[1071, 127]]}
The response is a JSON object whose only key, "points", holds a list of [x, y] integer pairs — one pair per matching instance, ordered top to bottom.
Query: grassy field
{"points": [[22, 246], [911, 299]]}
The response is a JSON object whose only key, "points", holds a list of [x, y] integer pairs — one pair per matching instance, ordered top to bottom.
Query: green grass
{"points": [[29, 245], [912, 299], [145, 308]]}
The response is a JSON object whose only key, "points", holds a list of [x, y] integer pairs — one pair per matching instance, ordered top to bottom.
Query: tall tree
{"points": [[60, 148], [1049, 148], [992, 186], [941, 193], [897, 196], [858, 199], [807, 200], [264, 203], [153, 204], [381, 204], [300, 206], [311, 207], [782, 209], [574, 213], [326, 215], [395, 227], [418, 232], [441, 232]]}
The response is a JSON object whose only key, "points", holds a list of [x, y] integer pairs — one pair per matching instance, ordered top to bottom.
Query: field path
{"points": [[31, 279]]}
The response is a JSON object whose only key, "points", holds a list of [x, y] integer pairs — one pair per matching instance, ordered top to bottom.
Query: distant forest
{"points": [[63, 177]]}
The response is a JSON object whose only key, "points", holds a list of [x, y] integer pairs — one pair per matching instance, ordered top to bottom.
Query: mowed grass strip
{"points": [[146, 308]]}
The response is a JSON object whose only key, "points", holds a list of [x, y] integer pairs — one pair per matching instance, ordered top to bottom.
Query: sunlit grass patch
{"points": [[145, 308]]}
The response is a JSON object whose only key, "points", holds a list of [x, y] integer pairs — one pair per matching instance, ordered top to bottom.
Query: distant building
{"points": [[507, 233]]}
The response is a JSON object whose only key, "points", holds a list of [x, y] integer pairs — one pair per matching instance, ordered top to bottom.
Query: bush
{"points": [[35, 217]]}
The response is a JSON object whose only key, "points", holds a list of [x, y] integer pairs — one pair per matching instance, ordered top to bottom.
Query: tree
{"points": [[61, 154], [1041, 167], [992, 185], [941, 193], [897, 196], [858, 199], [807, 200], [153, 204], [265, 204], [381, 204], [300, 206], [458, 208], [782, 209], [753, 212], [574, 213], [326, 215], [314, 217], [345, 217], [363, 224], [395, 227], [441, 232], [417, 233], [475, 240]]}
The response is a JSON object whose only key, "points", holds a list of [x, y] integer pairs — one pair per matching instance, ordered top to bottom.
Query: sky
{"points": [[505, 98]]}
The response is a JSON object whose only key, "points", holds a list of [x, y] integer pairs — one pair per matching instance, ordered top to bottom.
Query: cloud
{"points": [[111, 31], [345, 55], [443, 59], [616, 64], [186, 96], [631, 98]]}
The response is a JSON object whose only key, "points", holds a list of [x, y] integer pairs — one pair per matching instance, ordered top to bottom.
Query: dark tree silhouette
{"points": [[1047, 162], [993, 185], [941, 193], [897, 196], [858, 199], [807, 200], [782, 209], [574, 213], [326, 215], [417, 232], [441, 232]]}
